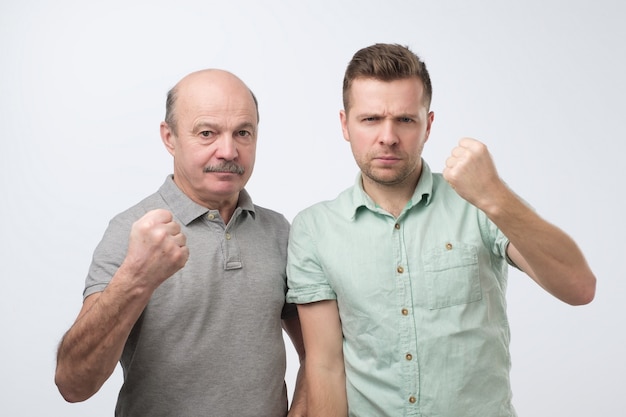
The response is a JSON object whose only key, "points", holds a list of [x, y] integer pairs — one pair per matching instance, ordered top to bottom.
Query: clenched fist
{"points": [[472, 173], [156, 249]]}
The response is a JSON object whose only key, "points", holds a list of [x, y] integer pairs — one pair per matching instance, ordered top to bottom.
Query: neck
{"points": [[392, 198], [226, 204], [226, 209]]}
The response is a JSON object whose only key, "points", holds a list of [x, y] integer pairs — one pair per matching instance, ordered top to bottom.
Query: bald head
{"points": [[204, 82]]}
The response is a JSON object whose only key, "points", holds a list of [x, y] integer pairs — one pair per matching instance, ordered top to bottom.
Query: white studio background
{"points": [[82, 92]]}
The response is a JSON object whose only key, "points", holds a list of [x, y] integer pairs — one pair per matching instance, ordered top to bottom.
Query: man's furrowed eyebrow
{"points": [[367, 115], [395, 116], [408, 116]]}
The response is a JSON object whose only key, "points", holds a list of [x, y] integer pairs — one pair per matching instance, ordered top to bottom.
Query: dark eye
{"points": [[406, 119], [206, 133], [243, 133]]}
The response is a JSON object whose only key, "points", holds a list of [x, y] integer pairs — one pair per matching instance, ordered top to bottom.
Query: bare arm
{"points": [[540, 249], [93, 345], [325, 372], [298, 402]]}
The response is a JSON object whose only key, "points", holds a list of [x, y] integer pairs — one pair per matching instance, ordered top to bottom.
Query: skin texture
{"points": [[387, 127], [216, 129], [213, 148]]}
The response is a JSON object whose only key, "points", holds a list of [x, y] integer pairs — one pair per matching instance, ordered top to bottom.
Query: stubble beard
{"points": [[390, 176]]}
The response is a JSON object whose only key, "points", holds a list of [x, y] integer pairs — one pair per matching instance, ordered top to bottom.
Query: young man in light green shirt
{"points": [[400, 281]]}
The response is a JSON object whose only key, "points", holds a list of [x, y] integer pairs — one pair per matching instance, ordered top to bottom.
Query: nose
{"points": [[388, 135], [227, 148]]}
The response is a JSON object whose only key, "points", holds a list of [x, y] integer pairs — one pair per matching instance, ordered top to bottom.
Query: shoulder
{"points": [[441, 185], [443, 194], [322, 214], [128, 216], [270, 216]]}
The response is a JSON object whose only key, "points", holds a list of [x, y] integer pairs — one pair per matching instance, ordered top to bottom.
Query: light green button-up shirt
{"points": [[421, 300]]}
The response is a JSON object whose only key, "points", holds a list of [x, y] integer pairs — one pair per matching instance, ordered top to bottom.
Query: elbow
{"points": [[585, 292], [72, 392], [68, 394], [72, 395]]}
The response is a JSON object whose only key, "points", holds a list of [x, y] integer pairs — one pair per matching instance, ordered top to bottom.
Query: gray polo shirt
{"points": [[210, 340]]}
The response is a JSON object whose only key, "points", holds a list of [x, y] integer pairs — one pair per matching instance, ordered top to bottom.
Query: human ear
{"points": [[343, 117], [168, 137]]}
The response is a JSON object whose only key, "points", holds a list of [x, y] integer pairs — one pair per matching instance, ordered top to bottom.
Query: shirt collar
{"points": [[360, 199], [188, 210]]}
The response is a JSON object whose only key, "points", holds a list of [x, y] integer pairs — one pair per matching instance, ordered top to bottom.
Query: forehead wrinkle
{"points": [[217, 96], [396, 98], [202, 124]]}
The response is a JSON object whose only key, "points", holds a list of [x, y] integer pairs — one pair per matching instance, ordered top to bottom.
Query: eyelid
{"points": [[246, 127]]}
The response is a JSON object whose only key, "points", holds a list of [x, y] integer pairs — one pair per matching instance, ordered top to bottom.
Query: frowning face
{"points": [[387, 126]]}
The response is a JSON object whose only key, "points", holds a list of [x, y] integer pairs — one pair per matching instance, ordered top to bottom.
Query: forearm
{"points": [[542, 250], [90, 350], [325, 370], [326, 392]]}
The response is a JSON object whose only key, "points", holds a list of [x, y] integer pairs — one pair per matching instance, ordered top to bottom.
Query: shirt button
{"points": [[210, 216], [397, 226], [449, 246], [400, 270], [405, 312], [409, 357], [412, 399]]}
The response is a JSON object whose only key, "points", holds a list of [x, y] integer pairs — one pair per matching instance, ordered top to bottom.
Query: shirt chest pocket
{"points": [[452, 276]]}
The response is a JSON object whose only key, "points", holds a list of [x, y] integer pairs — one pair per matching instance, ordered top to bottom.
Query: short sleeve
{"points": [[108, 255], [306, 279]]}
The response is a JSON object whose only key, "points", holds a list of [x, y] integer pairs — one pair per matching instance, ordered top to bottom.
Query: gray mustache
{"points": [[230, 167]]}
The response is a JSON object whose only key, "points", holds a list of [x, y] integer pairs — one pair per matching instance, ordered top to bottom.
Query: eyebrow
{"points": [[395, 116], [204, 125], [247, 125]]}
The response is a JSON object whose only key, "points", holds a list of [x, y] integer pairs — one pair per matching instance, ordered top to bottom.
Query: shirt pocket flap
{"points": [[452, 275]]}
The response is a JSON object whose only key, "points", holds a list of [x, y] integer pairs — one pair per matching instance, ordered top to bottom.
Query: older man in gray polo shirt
{"points": [[187, 288]]}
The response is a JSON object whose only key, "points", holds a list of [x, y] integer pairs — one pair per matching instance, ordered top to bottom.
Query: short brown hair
{"points": [[386, 62]]}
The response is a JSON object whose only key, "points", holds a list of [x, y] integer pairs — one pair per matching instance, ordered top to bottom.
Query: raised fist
{"points": [[471, 172], [156, 248]]}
